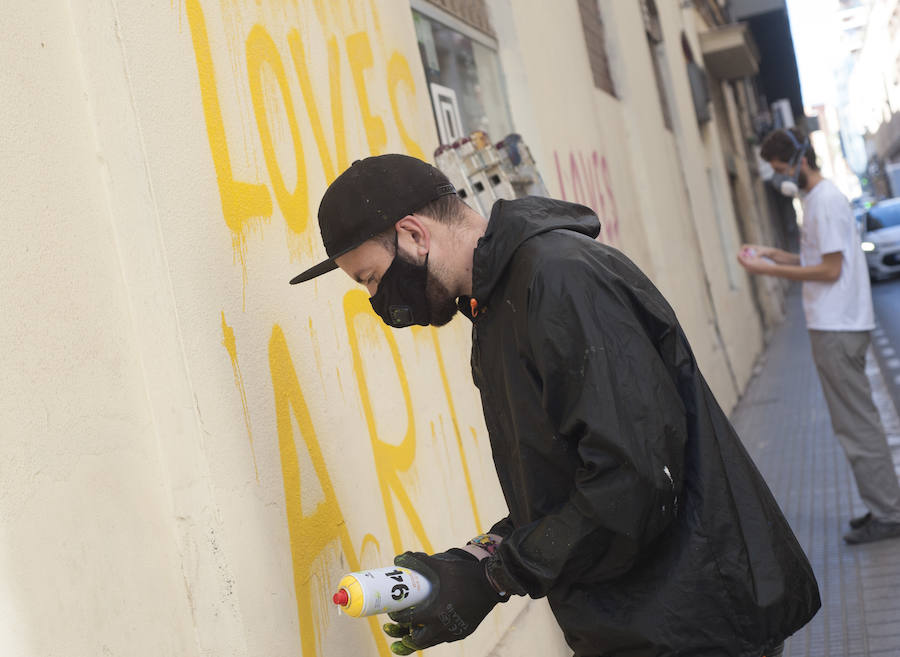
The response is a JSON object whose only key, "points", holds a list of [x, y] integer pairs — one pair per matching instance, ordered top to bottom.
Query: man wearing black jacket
{"points": [[633, 506]]}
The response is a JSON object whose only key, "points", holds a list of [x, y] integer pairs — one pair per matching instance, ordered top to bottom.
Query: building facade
{"points": [[874, 90], [195, 451]]}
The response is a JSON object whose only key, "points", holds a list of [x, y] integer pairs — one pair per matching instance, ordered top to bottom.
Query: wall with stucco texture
{"points": [[662, 195], [201, 449], [194, 451], [88, 561]]}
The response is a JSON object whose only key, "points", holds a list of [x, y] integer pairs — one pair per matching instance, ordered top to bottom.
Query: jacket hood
{"points": [[512, 223]]}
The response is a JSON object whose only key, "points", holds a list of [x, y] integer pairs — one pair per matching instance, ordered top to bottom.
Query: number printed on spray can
{"points": [[381, 591]]}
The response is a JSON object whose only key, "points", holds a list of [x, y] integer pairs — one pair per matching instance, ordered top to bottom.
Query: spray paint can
{"points": [[380, 591]]}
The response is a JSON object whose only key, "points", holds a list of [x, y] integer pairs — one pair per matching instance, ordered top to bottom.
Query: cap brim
{"points": [[321, 268]]}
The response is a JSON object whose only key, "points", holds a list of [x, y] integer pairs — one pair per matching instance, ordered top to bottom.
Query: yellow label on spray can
{"points": [[381, 591]]}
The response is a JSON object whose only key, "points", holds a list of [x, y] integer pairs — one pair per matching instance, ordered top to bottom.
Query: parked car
{"points": [[879, 232]]}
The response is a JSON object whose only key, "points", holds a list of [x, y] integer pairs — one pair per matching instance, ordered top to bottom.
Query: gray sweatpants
{"points": [[840, 358]]}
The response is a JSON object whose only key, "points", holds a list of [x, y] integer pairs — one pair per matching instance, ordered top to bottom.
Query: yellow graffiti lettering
{"points": [[261, 50], [359, 51], [298, 54], [398, 71], [241, 201], [231, 346], [459, 442], [390, 460], [312, 533]]}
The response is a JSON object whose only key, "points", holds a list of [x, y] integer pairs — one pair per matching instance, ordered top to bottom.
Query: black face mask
{"points": [[401, 299]]}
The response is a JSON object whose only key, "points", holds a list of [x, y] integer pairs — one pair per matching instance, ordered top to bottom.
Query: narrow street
{"points": [[886, 339], [784, 423]]}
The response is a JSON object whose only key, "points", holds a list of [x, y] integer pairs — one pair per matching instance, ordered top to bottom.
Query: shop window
{"points": [[595, 40], [463, 73]]}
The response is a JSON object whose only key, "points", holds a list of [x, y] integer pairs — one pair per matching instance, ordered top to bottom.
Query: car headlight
{"points": [[868, 246]]}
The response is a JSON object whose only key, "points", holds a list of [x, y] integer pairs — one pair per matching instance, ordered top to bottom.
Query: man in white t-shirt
{"points": [[837, 302]]}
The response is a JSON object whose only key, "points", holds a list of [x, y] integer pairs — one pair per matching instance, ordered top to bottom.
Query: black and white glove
{"points": [[460, 598]]}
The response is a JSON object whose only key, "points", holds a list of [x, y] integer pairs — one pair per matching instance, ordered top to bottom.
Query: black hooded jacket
{"points": [[633, 505]]}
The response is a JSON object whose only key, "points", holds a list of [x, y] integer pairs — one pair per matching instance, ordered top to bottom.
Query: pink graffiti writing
{"points": [[585, 179]]}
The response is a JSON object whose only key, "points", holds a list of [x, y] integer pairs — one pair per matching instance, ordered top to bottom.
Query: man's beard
{"points": [[441, 304]]}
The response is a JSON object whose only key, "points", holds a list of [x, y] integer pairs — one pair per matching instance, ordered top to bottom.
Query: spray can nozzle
{"points": [[341, 598]]}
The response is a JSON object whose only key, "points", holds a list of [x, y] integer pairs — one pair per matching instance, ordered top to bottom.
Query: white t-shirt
{"points": [[828, 227]]}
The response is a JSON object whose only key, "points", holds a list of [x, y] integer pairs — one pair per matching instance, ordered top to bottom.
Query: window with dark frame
{"points": [[595, 39], [654, 40], [463, 71]]}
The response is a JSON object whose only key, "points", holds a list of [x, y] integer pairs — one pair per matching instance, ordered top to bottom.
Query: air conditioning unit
{"points": [[782, 114]]}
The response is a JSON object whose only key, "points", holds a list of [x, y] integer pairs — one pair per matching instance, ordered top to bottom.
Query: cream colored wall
{"points": [[874, 91], [553, 97], [733, 124], [651, 186], [662, 193], [738, 321], [197, 450], [194, 451], [88, 559]]}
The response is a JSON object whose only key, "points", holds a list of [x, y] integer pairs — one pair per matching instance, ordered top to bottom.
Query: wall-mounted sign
{"points": [[446, 110]]}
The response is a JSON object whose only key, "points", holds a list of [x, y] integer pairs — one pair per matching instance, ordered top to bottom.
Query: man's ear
{"points": [[414, 234]]}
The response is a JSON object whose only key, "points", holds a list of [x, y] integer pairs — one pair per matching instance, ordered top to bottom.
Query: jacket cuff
{"points": [[502, 527], [500, 579]]}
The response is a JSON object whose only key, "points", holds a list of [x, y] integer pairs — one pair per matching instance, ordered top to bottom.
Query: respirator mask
{"points": [[789, 185]]}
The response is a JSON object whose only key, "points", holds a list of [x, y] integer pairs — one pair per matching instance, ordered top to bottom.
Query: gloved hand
{"points": [[461, 596]]}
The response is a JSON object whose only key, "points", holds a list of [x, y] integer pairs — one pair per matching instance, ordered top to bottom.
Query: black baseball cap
{"points": [[370, 197]]}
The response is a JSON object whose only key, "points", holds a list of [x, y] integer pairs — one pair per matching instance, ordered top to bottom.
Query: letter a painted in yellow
{"points": [[309, 534]]}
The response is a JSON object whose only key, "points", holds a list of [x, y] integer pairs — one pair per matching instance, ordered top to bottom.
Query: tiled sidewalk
{"points": [[783, 421]]}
